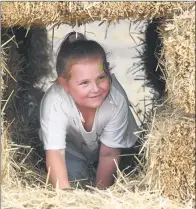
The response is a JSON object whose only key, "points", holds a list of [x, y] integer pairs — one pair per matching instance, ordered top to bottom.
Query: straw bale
{"points": [[72, 13], [179, 59], [11, 63], [11, 67], [22, 68], [171, 150], [6, 168], [8, 173], [120, 196]]}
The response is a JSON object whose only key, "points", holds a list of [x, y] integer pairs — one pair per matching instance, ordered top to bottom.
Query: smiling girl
{"points": [[84, 116]]}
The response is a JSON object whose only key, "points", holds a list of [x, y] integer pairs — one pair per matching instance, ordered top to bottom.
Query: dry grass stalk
{"points": [[72, 13], [179, 59], [3, 69], [171, 161]]}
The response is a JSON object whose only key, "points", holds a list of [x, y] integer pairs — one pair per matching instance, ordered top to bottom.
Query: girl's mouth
{"points": [[96, 96]]}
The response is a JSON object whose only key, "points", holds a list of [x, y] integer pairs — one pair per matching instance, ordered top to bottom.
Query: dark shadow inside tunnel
{"points": [[32, 47], [155, 79]]}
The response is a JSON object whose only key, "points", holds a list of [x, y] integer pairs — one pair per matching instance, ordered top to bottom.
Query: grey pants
{"points": [[79, 170]]}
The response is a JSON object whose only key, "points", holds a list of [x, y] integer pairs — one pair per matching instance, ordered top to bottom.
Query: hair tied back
{"points": [[74, 36]]}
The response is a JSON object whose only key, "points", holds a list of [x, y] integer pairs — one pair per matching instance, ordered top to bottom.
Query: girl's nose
{"points": [[95, 87]]}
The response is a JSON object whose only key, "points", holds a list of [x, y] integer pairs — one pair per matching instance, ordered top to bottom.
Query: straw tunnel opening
{"points": [[32, 75]]}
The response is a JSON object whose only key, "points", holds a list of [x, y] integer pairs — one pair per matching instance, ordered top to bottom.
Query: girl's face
{"points": [[88, 83]]}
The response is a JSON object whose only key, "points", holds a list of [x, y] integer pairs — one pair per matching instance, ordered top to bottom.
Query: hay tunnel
{"points": [[169, 149]]}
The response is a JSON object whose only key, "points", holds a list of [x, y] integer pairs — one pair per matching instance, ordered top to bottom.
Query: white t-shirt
{"points": [[61, 123]]}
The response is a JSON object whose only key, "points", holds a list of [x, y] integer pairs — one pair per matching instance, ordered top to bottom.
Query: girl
{"points": [[84, 116]]}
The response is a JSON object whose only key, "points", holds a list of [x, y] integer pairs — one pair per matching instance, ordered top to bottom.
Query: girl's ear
{"points": [[63, 83]]}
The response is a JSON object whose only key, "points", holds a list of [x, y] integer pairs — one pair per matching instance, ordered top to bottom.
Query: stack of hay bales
{"points": [[170, 151], [171, 165]]}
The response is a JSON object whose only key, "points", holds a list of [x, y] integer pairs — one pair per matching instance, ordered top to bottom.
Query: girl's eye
{"points": [[102, 77], [84, 83]]}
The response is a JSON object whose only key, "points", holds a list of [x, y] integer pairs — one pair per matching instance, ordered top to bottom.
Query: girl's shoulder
{"points": [[117, 94], [55, 96], [115, 102]]}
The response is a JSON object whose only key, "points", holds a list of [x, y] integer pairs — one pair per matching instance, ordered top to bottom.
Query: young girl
{"points": [[84, 116]]}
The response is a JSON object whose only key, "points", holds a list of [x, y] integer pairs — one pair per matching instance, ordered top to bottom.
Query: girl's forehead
{"points": [[88, 60], [87, 68]]}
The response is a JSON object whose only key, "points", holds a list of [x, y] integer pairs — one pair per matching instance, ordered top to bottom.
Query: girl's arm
{"points": [[55, 163], [107, 167]]}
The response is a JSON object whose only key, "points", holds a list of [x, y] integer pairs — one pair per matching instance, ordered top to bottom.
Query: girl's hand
{"points": [[56, 166], [107, 166], [68, 189]]}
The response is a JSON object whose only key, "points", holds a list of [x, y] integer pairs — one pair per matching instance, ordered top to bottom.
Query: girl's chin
{"points": [[93, 104], [97, 105]]}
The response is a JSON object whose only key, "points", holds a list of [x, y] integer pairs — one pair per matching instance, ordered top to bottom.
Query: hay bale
{"points": [[46, 13], [179, 59], [23, 67], [11, 68], [171, 149], [8, 165], [7, 171], [119, 196]]}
